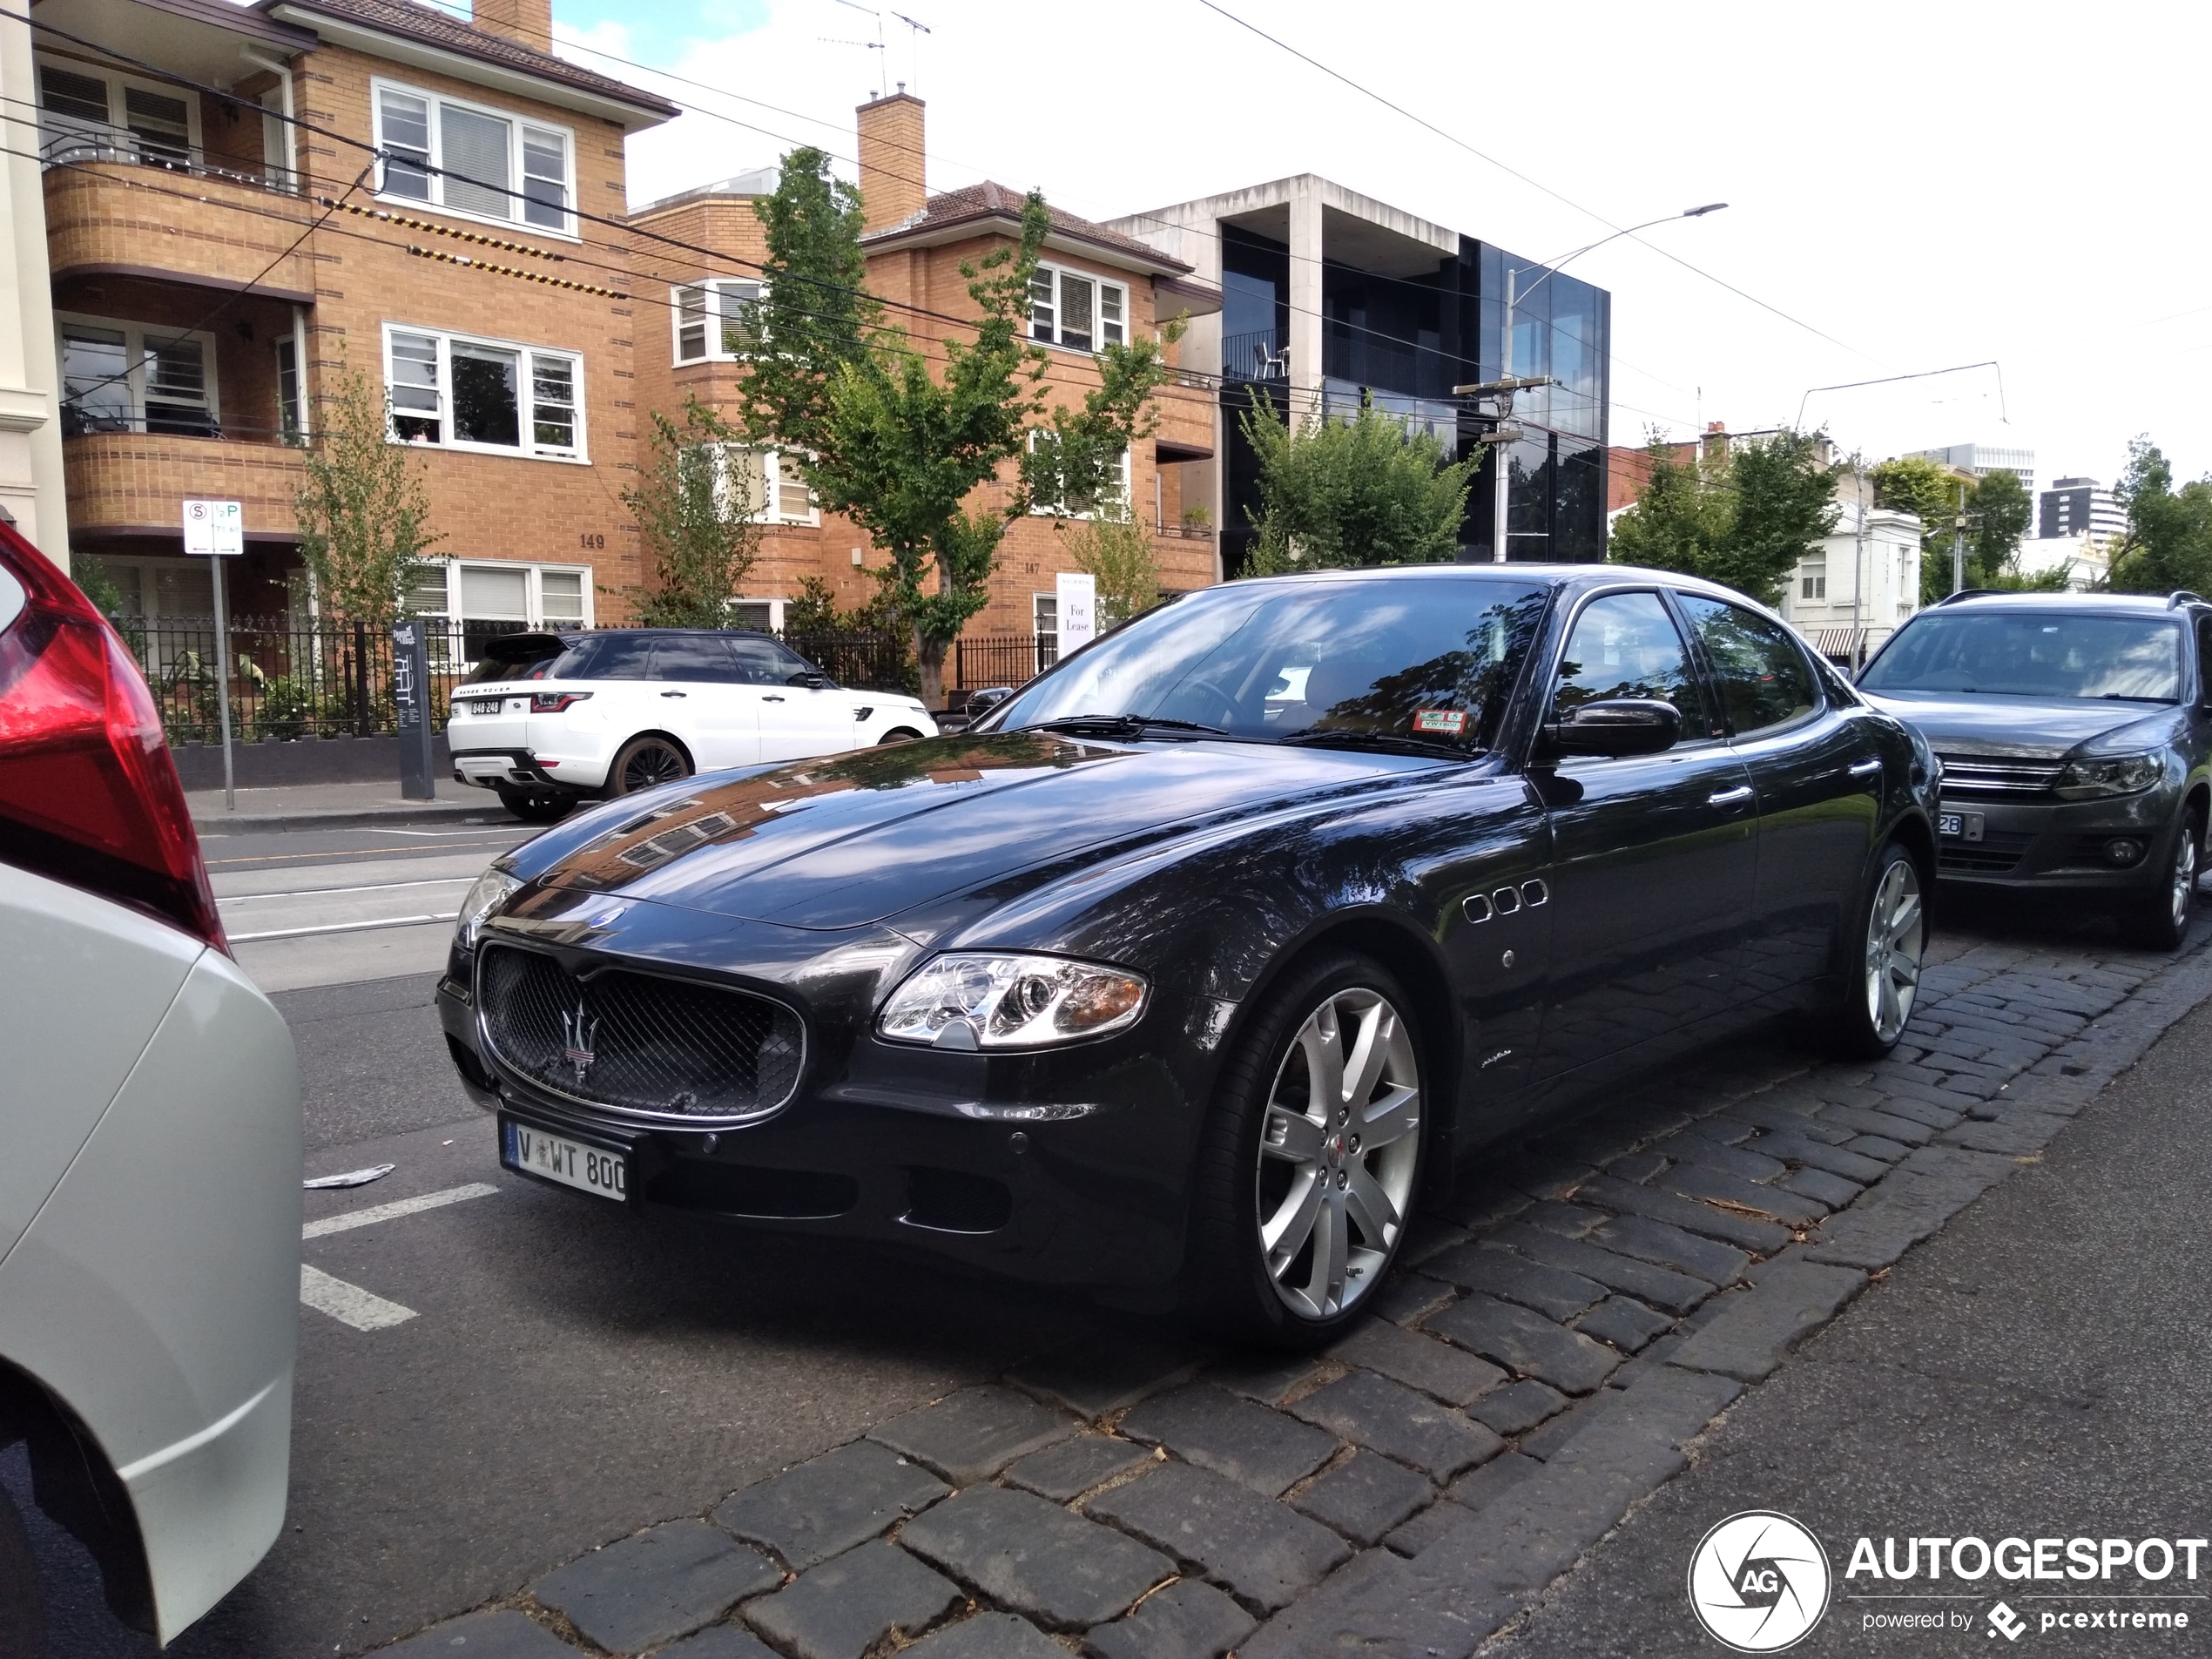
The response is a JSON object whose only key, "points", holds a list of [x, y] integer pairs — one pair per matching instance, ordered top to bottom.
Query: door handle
{"points": [[675, 693], [772, 699], [1867, 768], [1735, 797]]}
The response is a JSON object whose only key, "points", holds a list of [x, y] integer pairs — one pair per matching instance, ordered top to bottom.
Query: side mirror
{"points": [[812, 680], [979, 701], [1617, 726]]}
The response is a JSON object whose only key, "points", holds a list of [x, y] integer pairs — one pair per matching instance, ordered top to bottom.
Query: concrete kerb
{"points": [[1466, 1572]]}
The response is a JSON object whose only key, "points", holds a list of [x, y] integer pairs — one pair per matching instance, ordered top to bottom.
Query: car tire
{"points": [[899, 734], [647, 763], [537, 806], [2161, 921], [1878, 960], [1292, 1228], [23, 1603]]}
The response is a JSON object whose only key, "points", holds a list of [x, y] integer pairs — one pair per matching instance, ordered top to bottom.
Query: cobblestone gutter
{"points": [[1545, 1359]]}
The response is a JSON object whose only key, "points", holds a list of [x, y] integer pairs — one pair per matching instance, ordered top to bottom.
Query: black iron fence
{"points": [[1002, 659], [293, 677]]}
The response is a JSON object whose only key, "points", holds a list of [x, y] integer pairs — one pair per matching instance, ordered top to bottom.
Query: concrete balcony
{"points": [[209, 229], [1186, 421], [135, 483]]}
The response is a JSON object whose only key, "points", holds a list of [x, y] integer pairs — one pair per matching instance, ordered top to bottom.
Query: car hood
{"points": [[2027, 726], [850, 839]]}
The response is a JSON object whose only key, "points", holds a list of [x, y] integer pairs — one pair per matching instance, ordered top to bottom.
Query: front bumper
{"points": [[2056, 844], [1067, 1168]]}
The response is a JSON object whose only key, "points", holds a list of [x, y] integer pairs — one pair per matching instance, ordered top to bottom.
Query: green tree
{"points": [[901, 446], [1363, 491], [694, 503], [1998, 510], [364, 517], [1746, 519], [2169, 544], [1117, 553]]}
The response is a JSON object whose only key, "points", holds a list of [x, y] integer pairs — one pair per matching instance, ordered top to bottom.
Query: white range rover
{"points": [[546, 719]]}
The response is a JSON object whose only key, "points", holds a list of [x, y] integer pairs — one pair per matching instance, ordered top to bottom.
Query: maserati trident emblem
{"points": [[578, 1030]]}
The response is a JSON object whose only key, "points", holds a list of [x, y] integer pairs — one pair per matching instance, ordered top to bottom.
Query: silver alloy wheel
{"points": [[2184, 883], [1897, 932], [1338, 1153]]}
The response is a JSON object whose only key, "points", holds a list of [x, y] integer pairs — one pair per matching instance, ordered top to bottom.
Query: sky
{"points": [[1911, 187]]}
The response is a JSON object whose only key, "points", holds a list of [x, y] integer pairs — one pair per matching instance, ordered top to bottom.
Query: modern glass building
{"points": [[1328, 296]]}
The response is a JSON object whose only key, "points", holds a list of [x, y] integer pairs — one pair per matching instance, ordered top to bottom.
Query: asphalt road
{"points": [[2042, 1368]]}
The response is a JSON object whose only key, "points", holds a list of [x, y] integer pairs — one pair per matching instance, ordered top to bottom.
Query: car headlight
{"points": [[2125, 775], [489, 892], [987, 1001]]}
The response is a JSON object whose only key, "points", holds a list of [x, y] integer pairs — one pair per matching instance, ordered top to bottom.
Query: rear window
{"points": [[2032, 653], [553, 659]]}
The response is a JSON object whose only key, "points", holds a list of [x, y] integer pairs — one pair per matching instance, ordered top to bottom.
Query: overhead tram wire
{"points": [[1536, 183], [582, 216]]}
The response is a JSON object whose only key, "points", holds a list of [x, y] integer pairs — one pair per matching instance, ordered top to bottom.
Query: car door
{"points": [[706, 699], [797, 719], [1817, 774], [1653, 856]]}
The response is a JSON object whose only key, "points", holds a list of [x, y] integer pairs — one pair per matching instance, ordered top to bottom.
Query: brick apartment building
{"points": [[212, 271], [1094, 285]]}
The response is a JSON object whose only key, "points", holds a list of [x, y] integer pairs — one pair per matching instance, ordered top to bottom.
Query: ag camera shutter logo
{"points": [[1758, 1581]]}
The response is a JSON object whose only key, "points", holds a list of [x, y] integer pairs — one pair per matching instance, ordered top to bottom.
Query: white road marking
{"points": [[511, 829], [380, 886], [341, 927], [394, 1210], [349, 1303]]}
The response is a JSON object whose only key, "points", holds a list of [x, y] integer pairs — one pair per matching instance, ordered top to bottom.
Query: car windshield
{"points": [[2034, 653], [1418, 661]]}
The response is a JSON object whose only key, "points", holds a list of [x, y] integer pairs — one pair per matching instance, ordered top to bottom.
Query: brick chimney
{"points": [[527, 22], [892, 187]]}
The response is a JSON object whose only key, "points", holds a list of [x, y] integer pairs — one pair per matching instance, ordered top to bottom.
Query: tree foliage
{"points": [[903, 445], [1364, 491], [694, 503], [1998, 510], [364, 516], [1746, 519], [2169, 544], [1116, 554]]}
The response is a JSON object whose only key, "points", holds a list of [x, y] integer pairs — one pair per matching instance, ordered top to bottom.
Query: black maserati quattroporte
{"points": [[1208, 955]]}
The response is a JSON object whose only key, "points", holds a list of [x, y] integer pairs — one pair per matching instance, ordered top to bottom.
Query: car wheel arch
{"points": [[1912, 831], [76, 1488]]}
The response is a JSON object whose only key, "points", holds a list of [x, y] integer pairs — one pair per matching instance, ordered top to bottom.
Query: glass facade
{"points": [[1407, 340]]}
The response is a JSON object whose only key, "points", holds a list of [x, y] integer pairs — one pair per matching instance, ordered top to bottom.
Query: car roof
{"points": [[1554, 574], [2122, 604], [524, 644]]}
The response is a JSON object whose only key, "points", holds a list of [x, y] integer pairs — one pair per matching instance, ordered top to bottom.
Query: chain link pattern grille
{"points": [[645, 1043]]}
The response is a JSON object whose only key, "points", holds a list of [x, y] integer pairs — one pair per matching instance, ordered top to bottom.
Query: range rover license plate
{"points": [[485, 705], [1959, 826], [589, 1169]]}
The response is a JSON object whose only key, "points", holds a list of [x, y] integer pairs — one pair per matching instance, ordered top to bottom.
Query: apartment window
{"points": [[87, 115], [474, 161], [1074, 309], [714, 320], [127, 377], [464, 393], [292, 407], [773, 485], [1087, 507], [1812, 580], [503, 593]]}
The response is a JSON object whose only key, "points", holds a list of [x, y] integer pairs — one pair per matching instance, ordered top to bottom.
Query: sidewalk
{"points": [[309, 807]]}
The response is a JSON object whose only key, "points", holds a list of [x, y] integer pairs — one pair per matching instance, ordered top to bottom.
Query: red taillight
{"points": [[554, 701], [89, 793]]}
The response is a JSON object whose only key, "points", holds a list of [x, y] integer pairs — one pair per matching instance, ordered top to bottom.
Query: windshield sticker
{"points": [[1453, 723]]}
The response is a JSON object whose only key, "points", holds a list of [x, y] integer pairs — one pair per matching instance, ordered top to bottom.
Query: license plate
{"points": [[485, 705], [1959, 826], [573, 1163]]}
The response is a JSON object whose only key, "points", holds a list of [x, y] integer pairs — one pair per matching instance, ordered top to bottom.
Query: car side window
{"points": [[1625, 645], [624, 657], [695, 657], [2204, 658], [760, 661], [1765, 680]]}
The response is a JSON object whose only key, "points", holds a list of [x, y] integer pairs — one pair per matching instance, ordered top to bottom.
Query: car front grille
{"points": [[1998, 775], [1997, 851], [668, 1048]]}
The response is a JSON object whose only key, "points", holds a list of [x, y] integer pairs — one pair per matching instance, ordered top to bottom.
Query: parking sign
{"points": [[215, 528]]}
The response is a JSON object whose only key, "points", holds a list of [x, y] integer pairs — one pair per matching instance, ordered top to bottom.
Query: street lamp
{"points": [[1506, 385]]}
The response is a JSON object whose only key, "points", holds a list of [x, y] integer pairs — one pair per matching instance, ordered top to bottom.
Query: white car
{"points": [[547, 719], [148, 1152]]}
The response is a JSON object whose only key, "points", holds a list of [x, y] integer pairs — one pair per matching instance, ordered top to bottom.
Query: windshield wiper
{"points": [[2133, 696], [1131, 725], [1383, 742]]}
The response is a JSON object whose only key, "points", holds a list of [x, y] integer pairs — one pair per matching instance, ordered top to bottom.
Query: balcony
{"points": [[114, 207], [1257, 355], [1186, 431], [134, 482]]}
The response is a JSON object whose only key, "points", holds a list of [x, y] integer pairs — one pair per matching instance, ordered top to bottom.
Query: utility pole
{"points": [[1958, 543], [1859, 570]]}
